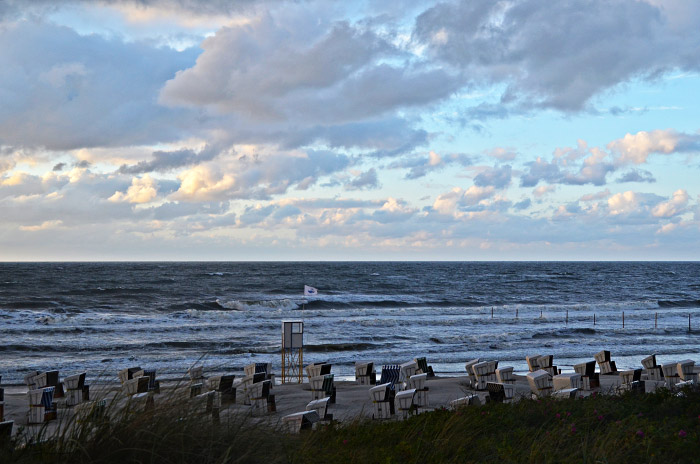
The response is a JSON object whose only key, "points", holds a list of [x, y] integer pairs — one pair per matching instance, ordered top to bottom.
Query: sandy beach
{"points": [[352, 399]]}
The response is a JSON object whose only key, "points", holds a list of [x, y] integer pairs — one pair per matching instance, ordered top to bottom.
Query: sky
{"points": [[324, 130]]}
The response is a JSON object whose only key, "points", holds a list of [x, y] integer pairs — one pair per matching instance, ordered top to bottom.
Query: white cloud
{"points": [[636, 148], [142, 190], [673, 207]]}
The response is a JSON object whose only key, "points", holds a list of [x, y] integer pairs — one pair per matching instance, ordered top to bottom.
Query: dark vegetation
{"points": [[661, 427]]}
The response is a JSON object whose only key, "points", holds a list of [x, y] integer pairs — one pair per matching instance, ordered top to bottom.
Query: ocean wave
{"points": [[679, 303], [258, 305], [334, 347]]}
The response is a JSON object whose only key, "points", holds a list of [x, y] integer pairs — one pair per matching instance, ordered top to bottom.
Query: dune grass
{"points": [[660, 427]]}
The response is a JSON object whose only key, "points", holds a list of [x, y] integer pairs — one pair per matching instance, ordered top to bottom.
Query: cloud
{"points": [[556, 54], [300, 82], [84, 91], [636, 148], [164, 161], [421, 165], [637, 175], [262, 176], [498, 177], [364, 181], [142, 190], [458, 199], [675, 206], [46, 225]]}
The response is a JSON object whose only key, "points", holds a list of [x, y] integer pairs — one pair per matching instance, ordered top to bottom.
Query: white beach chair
{"points": [[533, 362], [546, 363], [316, 369], [406, 370], [652, 371], [686, 371], [470, 372], [484, 372], [196, 374], [365, 374], [505, 375], [671, 376], [589, 378], [30, 380], [631, 380], [566, 381], [417, 383], [540, 383], [135, 386], [74, 389], [500, 392], [566, 393], [259, 396], [381, 396], [469, 400], [208, 403], [403, 403], [321, 408], [294, 423]]}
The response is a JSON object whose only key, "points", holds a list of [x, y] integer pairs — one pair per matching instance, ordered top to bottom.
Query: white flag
{"points": [[310, 291]]}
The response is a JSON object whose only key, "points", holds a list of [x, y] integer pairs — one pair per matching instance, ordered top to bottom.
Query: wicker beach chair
{"points": [[533, 362], [546, 363], [605, 364], [423, 367], [316, 369], [406, 370], [652, 371], [686, 371], [470, 372], [484, 372], [128, 373], [196, 374], [365, 374], [390, 375], [505, 375], [671, 376], [590, 379], [631, 380], [566, 381], [417, 383], [540, 383], [75, 385], [136, 385], [224, 385], [500, 392], [566, 393], [382, 400], [469, 400], [208, 403], [403, 403], [321, 408], [294, 423]]}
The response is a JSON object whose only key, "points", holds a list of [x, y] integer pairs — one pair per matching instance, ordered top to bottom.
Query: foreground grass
{"points": [[661, 427]]}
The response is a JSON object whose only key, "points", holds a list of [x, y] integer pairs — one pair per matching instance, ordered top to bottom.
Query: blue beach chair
{"points": [[390, 375]]}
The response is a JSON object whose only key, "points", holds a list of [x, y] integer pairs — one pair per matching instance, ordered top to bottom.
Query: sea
{"points": [[102, 317]]}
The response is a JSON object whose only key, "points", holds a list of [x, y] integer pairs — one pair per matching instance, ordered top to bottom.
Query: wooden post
{"points": [[491, 312], [516, 313], [540, 314], [567, 317], [593, 318], [623, 319], [656, 320], [688, 322]]}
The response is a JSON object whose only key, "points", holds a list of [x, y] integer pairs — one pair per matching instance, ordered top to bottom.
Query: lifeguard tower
{"points": [[292, 351]]}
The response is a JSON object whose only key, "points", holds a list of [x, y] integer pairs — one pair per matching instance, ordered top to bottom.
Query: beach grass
{"points": [[658, 427]]}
